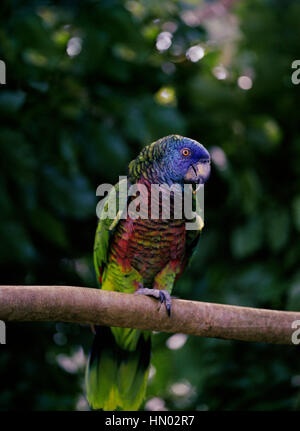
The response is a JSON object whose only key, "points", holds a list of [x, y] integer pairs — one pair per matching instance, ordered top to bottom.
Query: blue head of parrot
{"points": [[184, 160]]}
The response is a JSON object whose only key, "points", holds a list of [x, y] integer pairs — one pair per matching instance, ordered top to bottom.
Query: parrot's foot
{"points": [[162, 295]]}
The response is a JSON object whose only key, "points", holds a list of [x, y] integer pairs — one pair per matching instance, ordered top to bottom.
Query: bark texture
{"points": [[94, 306]]}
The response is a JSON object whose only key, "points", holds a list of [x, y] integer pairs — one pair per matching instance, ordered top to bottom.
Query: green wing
{"points": [[114, 203], [118, 366]]}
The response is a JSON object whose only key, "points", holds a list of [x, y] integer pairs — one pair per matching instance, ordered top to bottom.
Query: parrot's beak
{"points": [[198, 172]]}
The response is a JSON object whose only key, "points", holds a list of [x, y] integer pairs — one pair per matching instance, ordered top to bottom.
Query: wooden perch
{"points": [[94, 306]]}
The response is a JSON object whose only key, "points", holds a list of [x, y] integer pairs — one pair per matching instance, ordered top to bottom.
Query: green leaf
{"points": [[12, 101], [296, 212], [277, 225], [49, 227], [247, 239]]}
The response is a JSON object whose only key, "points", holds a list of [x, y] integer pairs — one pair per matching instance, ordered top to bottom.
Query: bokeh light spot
{"points": [[164, 41], [74, 46], [195, 53], [168, 68], [220, 72], [245, 82], [166, 96], [218, 157], [176, 341], [181, 389], [155, 404]]}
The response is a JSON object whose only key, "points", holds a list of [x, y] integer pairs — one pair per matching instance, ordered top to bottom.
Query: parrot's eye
{"points": [[186, 152]]}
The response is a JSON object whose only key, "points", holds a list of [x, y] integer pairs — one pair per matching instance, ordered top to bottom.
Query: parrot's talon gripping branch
{"points": [[162, 295], [166, 298]]}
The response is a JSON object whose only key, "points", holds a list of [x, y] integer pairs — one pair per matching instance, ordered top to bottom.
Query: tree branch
{"points": [[95, 306]]}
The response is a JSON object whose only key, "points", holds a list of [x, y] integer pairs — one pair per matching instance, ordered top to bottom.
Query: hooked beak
{"points": [[198, 172]]}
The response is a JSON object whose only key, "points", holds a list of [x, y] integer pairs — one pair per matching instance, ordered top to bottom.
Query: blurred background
{"points": [[89, 83]]}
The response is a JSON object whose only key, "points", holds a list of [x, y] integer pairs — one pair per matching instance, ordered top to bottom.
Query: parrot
{"points": [[142, 256]]}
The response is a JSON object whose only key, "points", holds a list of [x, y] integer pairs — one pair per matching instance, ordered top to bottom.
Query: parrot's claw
{"points": [[162, 295], [166, 298]]}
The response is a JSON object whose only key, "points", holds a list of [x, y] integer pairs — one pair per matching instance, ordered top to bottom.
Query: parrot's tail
{"points": [[117, 369]]}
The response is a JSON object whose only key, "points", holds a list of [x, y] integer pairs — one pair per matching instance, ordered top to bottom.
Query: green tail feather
{"points": [[116, 377]]}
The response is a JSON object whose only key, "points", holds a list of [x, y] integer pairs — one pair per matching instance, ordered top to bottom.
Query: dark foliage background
{"points": [[87, 88]]}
